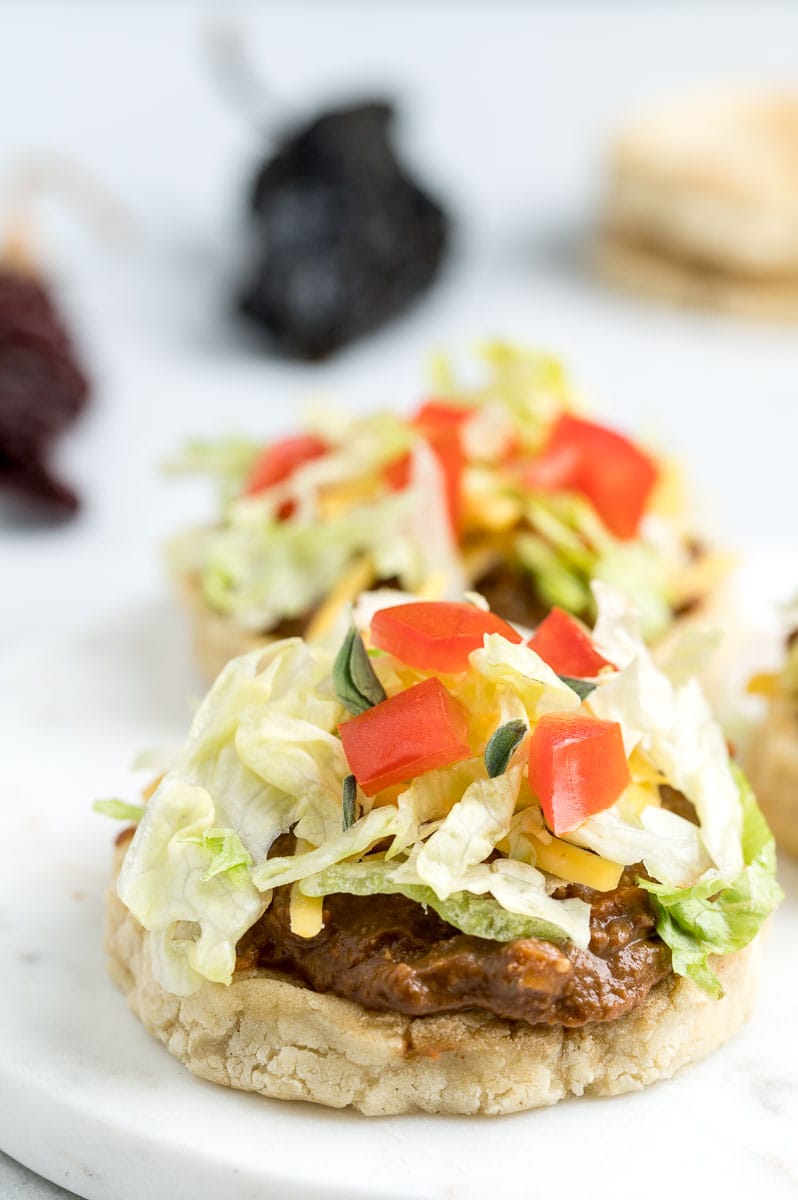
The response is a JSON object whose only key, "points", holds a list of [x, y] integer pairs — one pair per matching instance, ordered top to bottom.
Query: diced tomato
{"points": [[441, 416], [442, 435], [449, 452], [279, 461], [557, 467], [606, 467], [397, 473], [436, 635], [564, 643], [418, 730], [577, 767]]}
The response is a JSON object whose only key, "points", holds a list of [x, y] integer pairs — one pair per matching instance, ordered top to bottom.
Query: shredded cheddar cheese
{"points": [[336, 501], [356, 579], [433, 586], [765, 683], [642, 770], [637, 797], [577, 866], [306, 913]]}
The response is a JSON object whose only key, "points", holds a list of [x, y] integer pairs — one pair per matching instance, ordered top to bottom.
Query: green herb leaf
{"points": [[356, 684], [582, 687], [499, 749], [349, 803], [119, 810]]}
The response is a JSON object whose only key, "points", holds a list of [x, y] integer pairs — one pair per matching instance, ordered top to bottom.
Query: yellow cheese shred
{"points": [[341, 498], [486, 507], [481, 558], [355, 579], [433, 587], [763, 684], [642, 770], [638, 796], [577, 866], [306, 913]]}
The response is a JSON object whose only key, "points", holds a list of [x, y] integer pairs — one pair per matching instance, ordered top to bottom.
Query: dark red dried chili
{"points": [[341, 237], [42, 390]]}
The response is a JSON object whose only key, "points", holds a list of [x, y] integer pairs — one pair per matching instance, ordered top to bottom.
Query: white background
{"points": [[505, 109]]}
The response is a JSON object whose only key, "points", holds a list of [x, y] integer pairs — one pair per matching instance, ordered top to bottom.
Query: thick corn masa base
{"points": [[268, 1034]]}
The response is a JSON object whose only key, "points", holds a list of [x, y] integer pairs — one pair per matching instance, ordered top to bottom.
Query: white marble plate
{"points": [[90, 1101]]}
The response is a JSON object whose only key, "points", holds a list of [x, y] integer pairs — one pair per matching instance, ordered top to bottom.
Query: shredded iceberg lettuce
{"points": [[227, 459], [430, 529], [568, 546], [259, 572], [518, 669], [672, 725], [260, 759], [120, 810], [467, 835], [358, 838], [669, 847], [227, 851], [501, 900], [195, 916], [712, 919]]}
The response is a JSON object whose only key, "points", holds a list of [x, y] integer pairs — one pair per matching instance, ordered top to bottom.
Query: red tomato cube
{"points": [[441, 415], [439, 423], [279, 461], [603, 465], [397, 473], [436, 635], [564, 643], [415, 731], [577, 767]]}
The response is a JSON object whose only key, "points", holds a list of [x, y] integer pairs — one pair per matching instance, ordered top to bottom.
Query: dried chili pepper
{"points": [[342, 238], [42, 389]]}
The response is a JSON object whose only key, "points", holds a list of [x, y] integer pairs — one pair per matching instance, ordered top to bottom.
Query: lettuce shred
{"points": [[700, 921]]}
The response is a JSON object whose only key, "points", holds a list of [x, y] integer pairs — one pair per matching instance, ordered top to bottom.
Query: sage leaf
{"points": [[355, 682], [582, 687], [499, 749], [349, 803]]}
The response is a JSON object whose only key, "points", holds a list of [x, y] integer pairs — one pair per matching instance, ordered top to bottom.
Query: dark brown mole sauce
{"points": [[388, 953]]}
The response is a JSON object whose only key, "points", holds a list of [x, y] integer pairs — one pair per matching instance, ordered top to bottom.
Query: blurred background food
{"points": [[702, 201], [341, 238], [42, 388], [502, 486], [772, 756]]}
